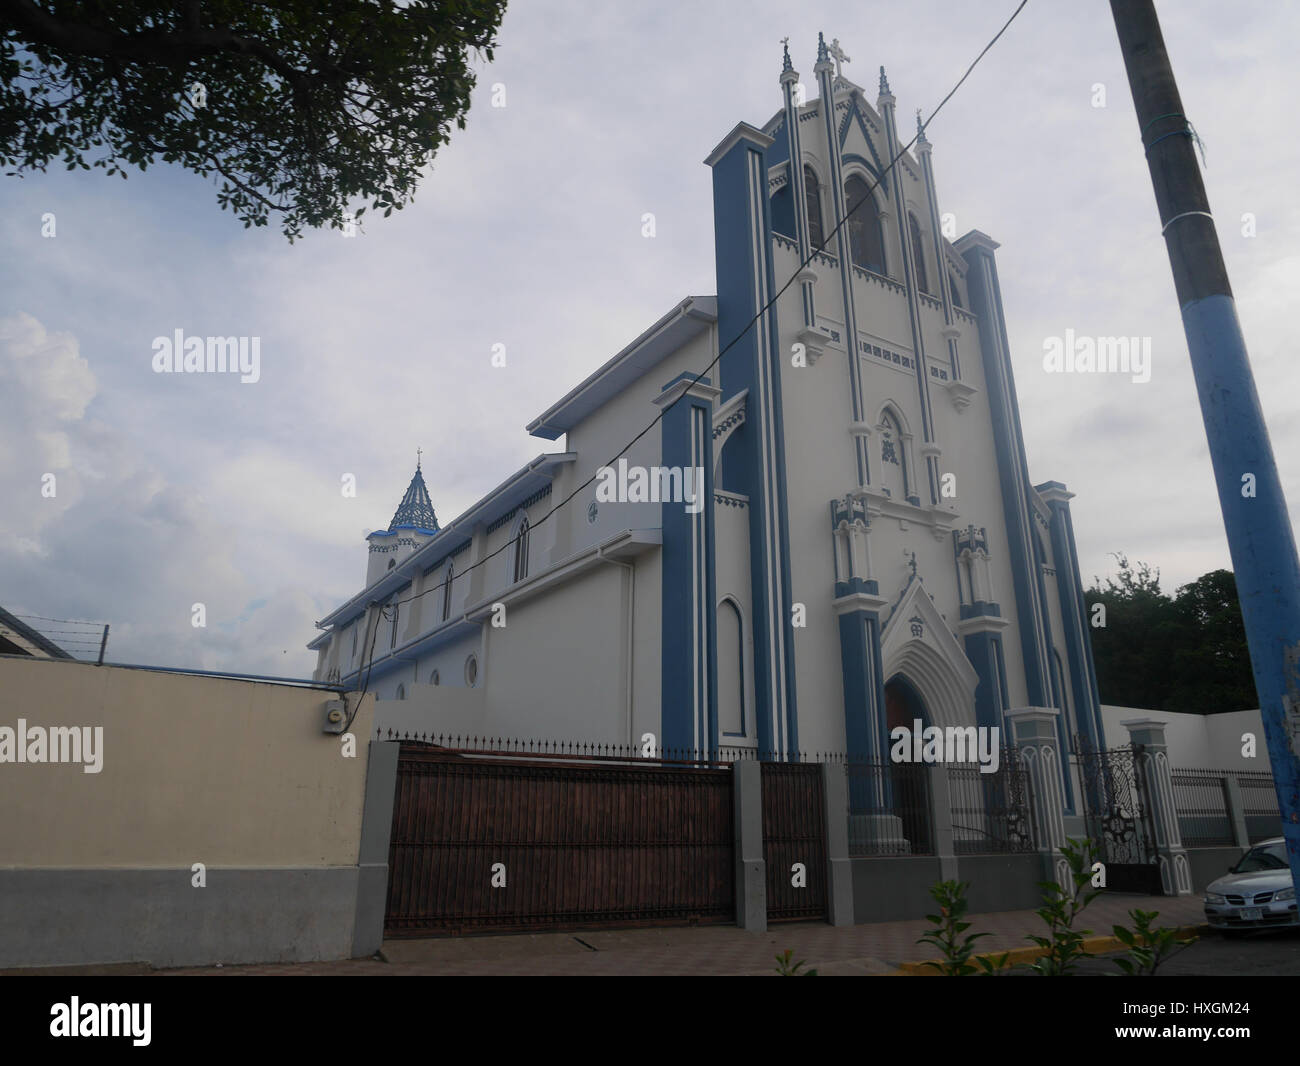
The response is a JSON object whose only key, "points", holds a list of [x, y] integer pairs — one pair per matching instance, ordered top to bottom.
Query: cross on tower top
{"points": [[840, 58], [418, 452]]}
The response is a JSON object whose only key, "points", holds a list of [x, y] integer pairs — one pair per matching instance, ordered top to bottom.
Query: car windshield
{"points": [[1265, 857]]}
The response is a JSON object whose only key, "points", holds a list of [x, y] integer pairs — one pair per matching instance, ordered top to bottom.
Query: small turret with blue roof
{"points": [[413, 524]]}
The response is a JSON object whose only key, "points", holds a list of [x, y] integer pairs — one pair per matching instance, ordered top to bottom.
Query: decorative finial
{"points": [[822, 56], [840, 57], [786, 64], [884, 83], [920, 128], [418, 452], [913, 562]]}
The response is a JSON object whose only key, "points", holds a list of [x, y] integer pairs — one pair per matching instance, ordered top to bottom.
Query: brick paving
{"points": [[877, 948]]}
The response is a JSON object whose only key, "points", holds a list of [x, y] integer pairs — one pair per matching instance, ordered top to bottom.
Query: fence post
{"points": [[1034, 732], [1152, 759], [940, 795], [1236, 811], [372, 857], [839, 868], [751, 874]]}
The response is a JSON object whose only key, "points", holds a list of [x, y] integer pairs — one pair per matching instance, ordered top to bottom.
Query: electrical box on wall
{"points": [[336, 715]]}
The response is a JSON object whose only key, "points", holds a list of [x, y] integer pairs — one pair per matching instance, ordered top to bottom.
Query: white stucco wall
{"points": [[579, 662], [1196, 741]]}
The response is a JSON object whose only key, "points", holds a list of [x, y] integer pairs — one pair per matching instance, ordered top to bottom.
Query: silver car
{"points": [[1257, 893]]}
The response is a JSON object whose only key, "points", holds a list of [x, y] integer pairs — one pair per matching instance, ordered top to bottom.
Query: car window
{"points": [[1269, 857]]}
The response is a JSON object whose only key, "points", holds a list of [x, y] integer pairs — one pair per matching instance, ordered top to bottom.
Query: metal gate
{"points": [[1117, 812], [794, 832], [507, 844]]}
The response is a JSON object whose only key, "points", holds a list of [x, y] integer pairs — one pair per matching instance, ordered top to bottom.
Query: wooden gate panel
{"points": [[794, 831], [581, 844]]}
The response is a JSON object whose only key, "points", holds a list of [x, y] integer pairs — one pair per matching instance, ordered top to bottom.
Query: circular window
{"points": [[592, 512], [471, 671], [434, 679]]}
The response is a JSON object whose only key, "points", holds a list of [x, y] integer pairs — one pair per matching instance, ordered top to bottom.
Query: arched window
{"points": [[812, 189], [783, 212], [866, 243], [918, 252], [952, 290], [893, 470], [521, 550], [392, 563], [447, 577], [392, 613], [355, 627], [731, 669], [471, 671], [435, 678], [401, 692]]}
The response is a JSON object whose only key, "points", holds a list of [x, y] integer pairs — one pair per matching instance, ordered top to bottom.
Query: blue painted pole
{"points": [[1255, 516]]}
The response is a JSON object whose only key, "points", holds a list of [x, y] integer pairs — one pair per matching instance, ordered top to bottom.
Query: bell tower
{"points": [[413, 524]]}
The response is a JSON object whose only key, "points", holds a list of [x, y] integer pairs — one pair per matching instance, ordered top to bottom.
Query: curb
{"points": [[1093, 945]]}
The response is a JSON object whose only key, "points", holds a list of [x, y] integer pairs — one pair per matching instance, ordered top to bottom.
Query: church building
{"points": [[830, 529]]}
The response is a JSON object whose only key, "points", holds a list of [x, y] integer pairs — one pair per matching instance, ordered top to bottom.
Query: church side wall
{"points": [[603, 433], [558, 669]]}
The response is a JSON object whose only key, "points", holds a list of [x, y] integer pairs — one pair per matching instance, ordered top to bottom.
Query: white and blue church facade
{"points": [[867, 549]]}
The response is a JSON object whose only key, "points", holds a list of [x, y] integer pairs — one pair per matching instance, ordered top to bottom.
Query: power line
{"points": [[395, 604], [61, 621]]}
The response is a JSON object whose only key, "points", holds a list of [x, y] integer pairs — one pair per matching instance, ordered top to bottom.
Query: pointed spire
{"points": [[823, 64], [416, 509]]}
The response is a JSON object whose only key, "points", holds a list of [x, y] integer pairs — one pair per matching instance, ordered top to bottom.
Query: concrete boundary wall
{"points": [[238, 776]]}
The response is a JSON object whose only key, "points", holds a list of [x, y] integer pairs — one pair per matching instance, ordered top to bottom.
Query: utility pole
{"points": [[1250, 493]]}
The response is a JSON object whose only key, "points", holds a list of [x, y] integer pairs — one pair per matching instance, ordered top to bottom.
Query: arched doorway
{"points": [[903, 704], [909, 786]]}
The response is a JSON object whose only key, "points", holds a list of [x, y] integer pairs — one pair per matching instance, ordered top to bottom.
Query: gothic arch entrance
{"points": [[903, 704], [907, 781]]}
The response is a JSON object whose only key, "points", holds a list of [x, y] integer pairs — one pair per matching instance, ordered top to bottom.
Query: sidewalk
{"points": [[878, 948]]}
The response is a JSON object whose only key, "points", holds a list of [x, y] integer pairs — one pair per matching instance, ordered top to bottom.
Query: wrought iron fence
{"points": [[567, 750], [1259, 803], [1202, 806], [889, 808], [990, 811]]}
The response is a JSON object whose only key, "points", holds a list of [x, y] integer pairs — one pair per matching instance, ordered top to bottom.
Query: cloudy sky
{"points": [[173, 490]]}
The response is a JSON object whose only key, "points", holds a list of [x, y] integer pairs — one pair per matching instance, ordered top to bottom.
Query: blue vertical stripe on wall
{"points": [[742, 236], [1013, 477]]}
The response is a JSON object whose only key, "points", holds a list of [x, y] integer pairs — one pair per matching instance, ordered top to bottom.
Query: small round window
{"points": [[471, 671]]}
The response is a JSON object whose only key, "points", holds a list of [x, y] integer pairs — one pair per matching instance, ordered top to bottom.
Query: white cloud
{"points": [[174, 489]]}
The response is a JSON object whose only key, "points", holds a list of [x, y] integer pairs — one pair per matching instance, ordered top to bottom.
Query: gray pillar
{"points": [[1034, 731], [1158, 783], [941, 811], [1236, 811], [372, 856], [839, 868], [751, 874]]}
